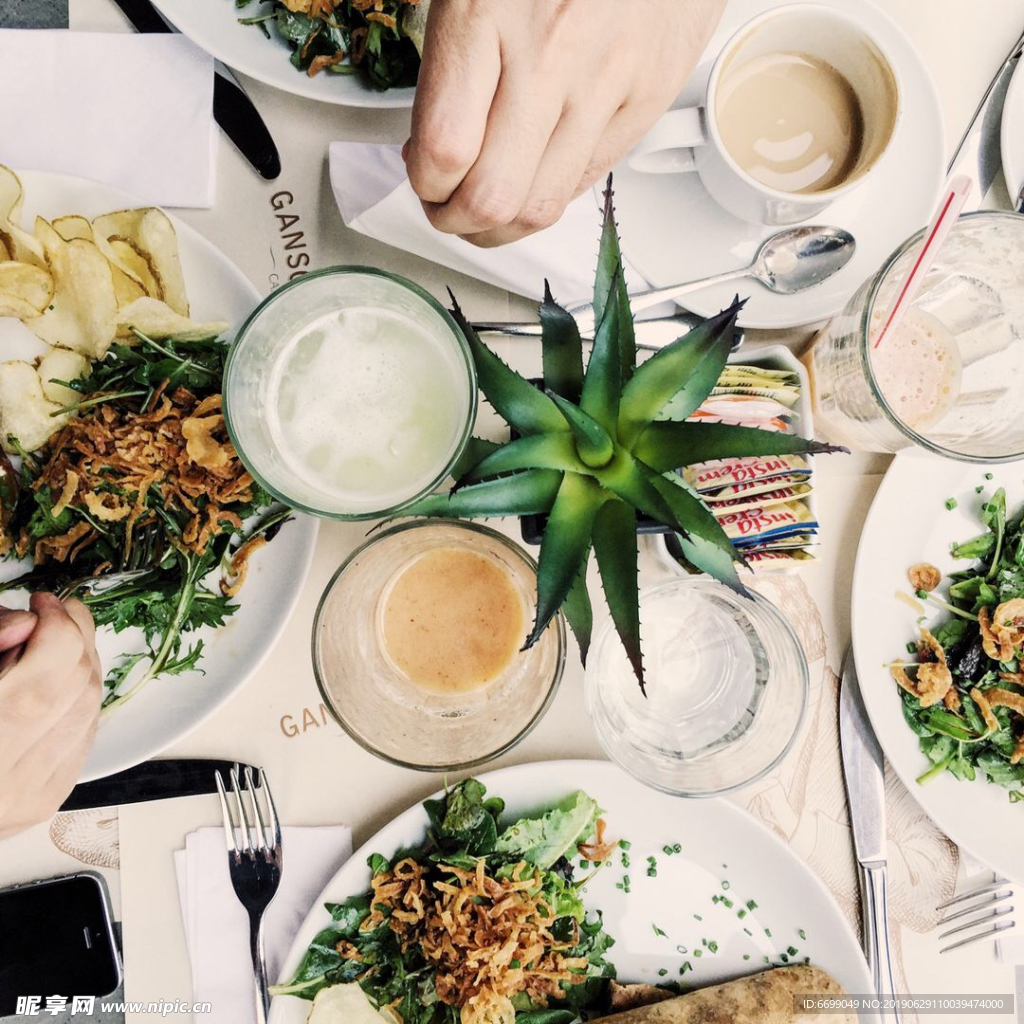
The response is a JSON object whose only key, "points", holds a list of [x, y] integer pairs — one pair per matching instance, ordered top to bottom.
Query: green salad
{"points": [[378, 40], [963, 694], [481, 923]]}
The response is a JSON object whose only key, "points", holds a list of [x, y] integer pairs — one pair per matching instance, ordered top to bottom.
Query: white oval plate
{"points": [[213, 25], [1011, 136], [672, 230], [908, 522], [168, 708], [720, 845]]}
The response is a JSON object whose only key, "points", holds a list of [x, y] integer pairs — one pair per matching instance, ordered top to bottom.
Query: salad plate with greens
{"points": [[938, 637], [533, 894]]}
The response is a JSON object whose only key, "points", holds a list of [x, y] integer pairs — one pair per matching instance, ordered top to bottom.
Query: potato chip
{"points": [[73, 226], [18, 243], [144, 245], [25, 289], [82, 314], [157, 320], [61, 364], [25, 413]]}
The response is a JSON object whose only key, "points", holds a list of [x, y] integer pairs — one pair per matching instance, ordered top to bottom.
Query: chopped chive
{"points": [[988, 476], [979, 489], [951, 504], [911, 647], [625, 844], [677, 848], [667, 850], [625, 860], [584, 863], [652, 872], [725, 883], [618, 885], [715, 898], [727, 902], [751, 905], [741, 913], [697, 917], [657, 930], [749, 932], [768, 932], [801, 933], [704, 942], [713, 946], [682, 949], [791, 951], [698, 952], [746, 956], [784, 958], [807, 959], [766, 960], [514, 963], [685, 966], [662, 972]]}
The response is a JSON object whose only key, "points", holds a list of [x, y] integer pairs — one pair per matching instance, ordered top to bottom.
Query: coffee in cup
{"points": [[800, 107]]}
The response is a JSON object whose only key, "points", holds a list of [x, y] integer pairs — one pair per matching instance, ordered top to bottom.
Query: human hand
{"points": [[522, 106], [49, 707]]}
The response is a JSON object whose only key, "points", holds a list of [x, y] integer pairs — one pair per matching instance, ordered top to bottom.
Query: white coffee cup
{"points": [[689, 139]]}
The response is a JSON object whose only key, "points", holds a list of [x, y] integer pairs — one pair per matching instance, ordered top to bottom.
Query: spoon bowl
{"points": [[798, 258]]}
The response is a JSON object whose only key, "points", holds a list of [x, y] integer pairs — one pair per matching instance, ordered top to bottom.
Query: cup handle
{"points": [[668, 147]]}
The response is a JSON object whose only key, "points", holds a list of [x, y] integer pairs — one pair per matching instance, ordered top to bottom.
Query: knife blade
{"points": [[232, 109], [978, 155], [864, 772], [160, 779]]}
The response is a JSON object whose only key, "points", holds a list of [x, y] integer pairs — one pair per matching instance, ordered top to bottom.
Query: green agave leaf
{"points": [[607, 290], [562, 349], [686, 370], [603, 381], [528, 410], [666, 445], [594, 446], [476, 450], [538, 451], [633, 483], [523, 494], [693, 516], [614, 537], [565, 546], [710, 558], [578, 611]]}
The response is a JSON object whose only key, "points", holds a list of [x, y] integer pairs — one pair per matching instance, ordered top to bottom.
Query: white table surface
{"points": [[321, 776]]}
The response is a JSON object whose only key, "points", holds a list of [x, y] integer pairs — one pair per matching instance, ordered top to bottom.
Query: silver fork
{"points": [[254, 862], [990, 911]]}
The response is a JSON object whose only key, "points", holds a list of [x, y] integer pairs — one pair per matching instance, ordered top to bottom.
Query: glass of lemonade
{"points": [[949, 377], [349, 393], [417, 645], [726, 682]]}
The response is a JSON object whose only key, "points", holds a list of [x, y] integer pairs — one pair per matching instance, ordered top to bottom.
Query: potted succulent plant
{"points": [[590, 452]]}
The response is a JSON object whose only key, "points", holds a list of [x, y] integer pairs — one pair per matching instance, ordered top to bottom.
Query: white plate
{"points": [[213, 25], [1011, 138], [672, 230], [909, 523], [167, 708], [720, 844]]}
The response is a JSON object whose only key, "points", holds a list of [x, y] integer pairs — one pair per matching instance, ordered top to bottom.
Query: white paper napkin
{"points": [[134, 111], [376, 199], [217, 928]]}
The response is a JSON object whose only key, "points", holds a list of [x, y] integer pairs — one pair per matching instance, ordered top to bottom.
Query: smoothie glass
{"points": [[949, 379]]}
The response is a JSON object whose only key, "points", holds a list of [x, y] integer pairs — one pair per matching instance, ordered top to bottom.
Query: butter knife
{"points": [[232, 109], [978, 154], [864, 772]]}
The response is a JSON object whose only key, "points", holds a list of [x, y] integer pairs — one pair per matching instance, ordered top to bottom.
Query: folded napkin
{"points": [[134, 111], [376, 199], [217, 928]]}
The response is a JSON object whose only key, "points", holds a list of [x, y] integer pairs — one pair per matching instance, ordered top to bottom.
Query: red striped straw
{"points": [[942, 223]]}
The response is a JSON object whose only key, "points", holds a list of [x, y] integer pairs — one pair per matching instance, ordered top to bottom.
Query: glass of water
{"points": [[950, 376], [727, 689]]}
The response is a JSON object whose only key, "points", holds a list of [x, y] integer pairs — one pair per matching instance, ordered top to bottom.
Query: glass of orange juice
{"points": [[417, 645]]}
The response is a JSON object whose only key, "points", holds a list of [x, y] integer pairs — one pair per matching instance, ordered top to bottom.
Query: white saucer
{"points": [[1011, 137], [673, 231]]}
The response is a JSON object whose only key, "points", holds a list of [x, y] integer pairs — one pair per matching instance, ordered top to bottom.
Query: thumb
{"points": [[15, 627]]}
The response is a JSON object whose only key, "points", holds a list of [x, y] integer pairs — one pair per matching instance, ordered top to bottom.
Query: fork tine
{"points": [[243, 821], [275, 824], [260, 829], [229, 832], [981, 891], [995, 898], [978, 921], [1003, 926]]}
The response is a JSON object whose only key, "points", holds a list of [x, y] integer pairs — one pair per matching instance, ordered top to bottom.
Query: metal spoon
{"points": [[788, 262]]}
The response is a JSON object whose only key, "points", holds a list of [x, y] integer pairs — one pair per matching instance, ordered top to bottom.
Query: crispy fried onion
{"points": [[111, 460], [239, 566], [924, 576], [1002, 631], [934, 679], [599, 849], [474, 928]]}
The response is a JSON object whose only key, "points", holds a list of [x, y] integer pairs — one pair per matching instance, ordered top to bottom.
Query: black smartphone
{"points": [[57, 938]]}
